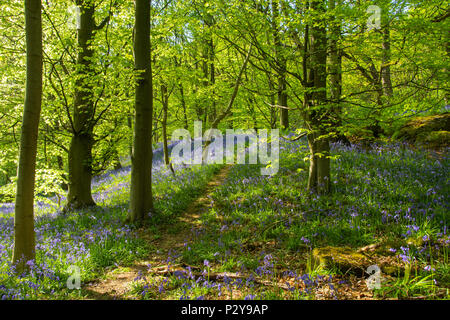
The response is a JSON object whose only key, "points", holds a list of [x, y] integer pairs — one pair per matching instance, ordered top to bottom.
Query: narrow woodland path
{"points": [[117, 283]]}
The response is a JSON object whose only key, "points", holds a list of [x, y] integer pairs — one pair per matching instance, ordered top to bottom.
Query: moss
{"points": [[432, 130], [435, 138], [415, 241], [384, 249], [344, 258], [391, 270]]}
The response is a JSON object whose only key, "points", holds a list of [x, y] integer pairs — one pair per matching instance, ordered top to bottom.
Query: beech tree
{"points": [[317, 110], [83, 122], [141, 199], [24, 236]]}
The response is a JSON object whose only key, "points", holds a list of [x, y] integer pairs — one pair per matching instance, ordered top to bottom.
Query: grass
{"points": [[267, 227], [95, 240]]}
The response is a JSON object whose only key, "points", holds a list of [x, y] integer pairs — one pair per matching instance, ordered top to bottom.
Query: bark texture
{"points": [[80, 150], [141, 202], [24, 235]]}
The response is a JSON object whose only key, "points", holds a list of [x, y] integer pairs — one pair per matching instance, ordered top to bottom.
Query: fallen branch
{"points": [[219, 276]]}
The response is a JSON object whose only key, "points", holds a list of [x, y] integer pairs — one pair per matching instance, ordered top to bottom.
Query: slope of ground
{"points": [[118, 282]]}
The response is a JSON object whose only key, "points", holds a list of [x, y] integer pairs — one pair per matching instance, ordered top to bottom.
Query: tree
{"points": [[281, 64], [335, 70], [165, 105], [317, 115], [82, 125], [80, 150], [141, 202], [24, 236]]}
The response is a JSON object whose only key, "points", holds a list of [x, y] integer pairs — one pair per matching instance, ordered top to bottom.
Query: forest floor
{"points": [[229, 232], [247, 236], [117, 283]]}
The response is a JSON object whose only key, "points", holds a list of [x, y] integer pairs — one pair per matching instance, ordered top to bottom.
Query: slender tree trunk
{"points": [[386, 60], [282, 64], [446, 69], [335, 73], [212, 77], [195, 89], [182, 96], [282, 101], [165, 103], [183, 105], [228, 111], [273, 111], [80, 150], [312, 177], [141, 202], [24, 235]]}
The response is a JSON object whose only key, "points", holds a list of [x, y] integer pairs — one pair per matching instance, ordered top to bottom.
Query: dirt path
{"points": [[117, 283]]}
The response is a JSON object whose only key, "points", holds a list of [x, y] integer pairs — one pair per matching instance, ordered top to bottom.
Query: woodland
{"points": [[352, 204]]}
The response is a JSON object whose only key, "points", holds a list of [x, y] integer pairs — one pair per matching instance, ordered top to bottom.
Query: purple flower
{"points": [[305, 240], [428, 268]]}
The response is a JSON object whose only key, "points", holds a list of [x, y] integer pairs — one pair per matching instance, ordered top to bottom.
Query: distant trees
{"points": [[24, 236]]}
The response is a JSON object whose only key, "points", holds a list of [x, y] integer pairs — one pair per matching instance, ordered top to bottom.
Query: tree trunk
{"points": [[386, 60], [281, 62], [335, 72], [212, 79], [282, 102], [165, 103], [183, 105], [227, 111], [318, 115], [130, 126], [80, 150], [80, 172], [312, 177], [141, 199], [24, 235]]}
